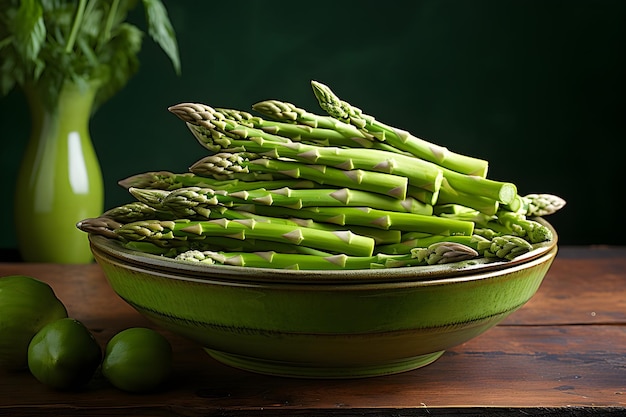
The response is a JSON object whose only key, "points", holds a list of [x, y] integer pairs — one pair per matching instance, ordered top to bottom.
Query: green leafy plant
{"points": [[48, 42]]}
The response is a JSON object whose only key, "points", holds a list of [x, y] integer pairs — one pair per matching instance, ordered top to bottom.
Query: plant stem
{"points": [[76, 24], [109, 24], [342, 241]]}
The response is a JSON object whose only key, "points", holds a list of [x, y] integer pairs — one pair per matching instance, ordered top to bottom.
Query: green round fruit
{"points": [[26, 305], [64, 354], [137, 360]]}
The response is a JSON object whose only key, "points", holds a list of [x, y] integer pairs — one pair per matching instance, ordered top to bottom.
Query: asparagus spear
{"points": [[289, 113], [302, 126], [218, 134], [341, 134], [223, 135], [401, 139], [418, 173], [165, 180], [377, 182], [502, 192], [448, 195], [425, 196], [193, 197], [343, 197], [194, 202], [536, 205], [452, 209], [136, 211], [365, 216], [505, 223], [103, 226], [107, 227], [532, 231], [380, 236], [335, 241], [406, 245], [498, 246], [505, 247], [151, 248], [173, 248], [440, 252], [444, 252], [437, 253], [272, 259]]}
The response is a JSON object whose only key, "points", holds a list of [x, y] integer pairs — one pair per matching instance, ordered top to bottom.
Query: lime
{"points": [[26, 305], [64, 354], [137, 360]]}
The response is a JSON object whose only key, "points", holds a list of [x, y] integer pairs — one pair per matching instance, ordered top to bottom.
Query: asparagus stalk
{"points": [[289, 113], [302, 126], [218, 134], [341, 134], [400, 139], [418, 173], [165, 180], [376, 182], [500, 191], [448, 195], [425, 196], [151, 197], [192, 197], [343, 197], [194, 202], [536, 205], [451, 209], [136, 211], [365, 216], [505, 223], [104, 226], [532, 231], [487, 233], [380, 236], [335, 241], [406, 245], [501, 246], [505, 247], [151, 248], [173, 248], [440, 252], [444, 252], [437, 253], [272, 259]]}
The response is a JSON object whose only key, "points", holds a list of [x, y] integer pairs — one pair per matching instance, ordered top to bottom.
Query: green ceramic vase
{"points": [[59, 181]]}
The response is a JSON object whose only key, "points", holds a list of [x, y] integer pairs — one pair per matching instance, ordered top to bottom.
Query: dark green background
{"points": [[535, 87]]}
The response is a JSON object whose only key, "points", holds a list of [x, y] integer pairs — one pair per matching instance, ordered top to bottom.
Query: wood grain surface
{"points": [[563, 353]]}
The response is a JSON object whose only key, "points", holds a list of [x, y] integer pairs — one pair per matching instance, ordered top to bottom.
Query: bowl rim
{"points": [[428, 273]]}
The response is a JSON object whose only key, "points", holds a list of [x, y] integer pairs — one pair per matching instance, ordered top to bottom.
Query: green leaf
{"points": [[29, 29], [161, 30], [49, 42], [121, 54]]}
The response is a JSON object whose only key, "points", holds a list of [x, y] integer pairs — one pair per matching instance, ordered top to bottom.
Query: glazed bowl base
{"points": [[302, 370]]}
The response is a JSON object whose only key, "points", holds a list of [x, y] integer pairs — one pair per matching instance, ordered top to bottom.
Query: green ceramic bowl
{"points": [[324, 324]]}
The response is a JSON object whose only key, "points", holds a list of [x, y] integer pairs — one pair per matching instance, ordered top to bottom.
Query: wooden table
{"points": [[563, 353]]}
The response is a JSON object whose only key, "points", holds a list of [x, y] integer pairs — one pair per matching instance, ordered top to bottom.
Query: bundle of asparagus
{"points": [[297, 190]]}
